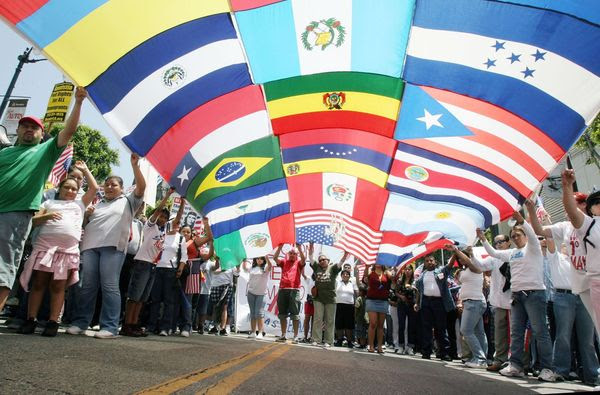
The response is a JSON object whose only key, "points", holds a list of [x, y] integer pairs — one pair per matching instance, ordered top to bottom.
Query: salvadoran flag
{"points": [[299, 37], [538, 64], [153, 86], [248, 206], [408, 216]]}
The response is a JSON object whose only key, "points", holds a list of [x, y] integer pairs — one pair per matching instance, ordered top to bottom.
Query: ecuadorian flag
{"points": [[301, 37], [350, 100]]}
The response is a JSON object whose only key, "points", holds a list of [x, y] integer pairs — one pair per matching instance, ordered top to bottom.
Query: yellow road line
{"points": [[231, 382], [169, 387]]}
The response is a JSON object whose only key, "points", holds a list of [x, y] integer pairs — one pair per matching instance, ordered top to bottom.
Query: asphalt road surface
{"points": [[211, 364]]}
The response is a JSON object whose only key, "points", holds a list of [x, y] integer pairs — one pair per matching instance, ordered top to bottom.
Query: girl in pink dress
{"points": [[54, 261]]}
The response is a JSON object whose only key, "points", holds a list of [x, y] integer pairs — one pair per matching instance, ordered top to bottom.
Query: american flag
{"points": [[61, 168], [338, 230]]}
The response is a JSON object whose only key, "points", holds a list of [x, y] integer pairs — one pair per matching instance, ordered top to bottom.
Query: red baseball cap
{"points": [[35, 120], [580, 197]]}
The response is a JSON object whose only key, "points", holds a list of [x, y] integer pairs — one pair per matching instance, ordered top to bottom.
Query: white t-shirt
{"points": [[110, 223], [69, 226], [137, 227], [563, 232], [152, 243], [168, 257], [592, 258], [526, 264], [560, 270], [222, 277], [257, 282], [206, 285], [471, 285], [430, 287], [344, 292], [497, 297]]}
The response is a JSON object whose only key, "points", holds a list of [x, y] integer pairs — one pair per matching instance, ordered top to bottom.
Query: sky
{"points": [[37, 80]]}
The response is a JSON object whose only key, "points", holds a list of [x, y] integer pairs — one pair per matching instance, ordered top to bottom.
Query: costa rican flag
{"points": [[61, 168]]}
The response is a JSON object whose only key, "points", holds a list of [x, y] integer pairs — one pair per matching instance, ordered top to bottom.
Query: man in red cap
{"points": [[24, 169]]}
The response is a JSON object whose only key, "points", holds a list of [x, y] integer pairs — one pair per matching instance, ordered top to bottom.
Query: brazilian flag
{"points": [[242, 167]]}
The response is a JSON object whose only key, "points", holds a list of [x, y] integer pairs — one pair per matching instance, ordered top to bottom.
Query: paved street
{"points": [[233, 364]]}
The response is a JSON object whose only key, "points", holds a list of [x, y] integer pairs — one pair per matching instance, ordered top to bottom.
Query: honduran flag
{"points": [[588, 10], [300, 37], [538, 64], [349, 100], [353, 152], [361, 199], [248, 206], [254, 240], [397, 249]]}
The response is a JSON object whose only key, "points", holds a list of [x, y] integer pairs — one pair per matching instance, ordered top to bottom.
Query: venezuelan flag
{"points": [[362, 101]]}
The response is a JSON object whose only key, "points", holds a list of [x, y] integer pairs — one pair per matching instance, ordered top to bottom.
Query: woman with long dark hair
{"points": [[259, 272]]}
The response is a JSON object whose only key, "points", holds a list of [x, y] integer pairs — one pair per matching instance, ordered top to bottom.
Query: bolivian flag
{"points": [[361, 101]]}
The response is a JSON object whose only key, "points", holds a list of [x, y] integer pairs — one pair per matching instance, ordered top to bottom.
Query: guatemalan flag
{"points": [[300, 37], [546, 71]]}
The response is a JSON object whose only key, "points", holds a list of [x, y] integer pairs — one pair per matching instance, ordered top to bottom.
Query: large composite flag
{"points": [[386, 128]]}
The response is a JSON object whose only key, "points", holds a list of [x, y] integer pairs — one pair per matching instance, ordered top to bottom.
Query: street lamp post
{"points": [[23, 58]]}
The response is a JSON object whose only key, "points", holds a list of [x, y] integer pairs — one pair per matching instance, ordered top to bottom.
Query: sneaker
{"points": [[14, 323], [28, 327], [51, 329], [75, 330], [213, 330], [201, 331], [223, 332], [163, 333], [185, 333], [104, 334], [252, 335], [259, 336], [281, 339], [295, 340], [314, 344], [326, 345], [350, 345], [398, 350], [409, 351], [446, 358], [476, 365], [495, 367], [512, 371], [547, 375]]}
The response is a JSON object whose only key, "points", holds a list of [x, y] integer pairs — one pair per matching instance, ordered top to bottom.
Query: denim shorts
{"points": [[14, 228], [142, 279], [377, 306]]}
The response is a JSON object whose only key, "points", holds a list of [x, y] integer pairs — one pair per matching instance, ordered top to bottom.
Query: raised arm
{"points": [[64, 136], [140, 181], [90, 194], [161, 205], [179, 214], [575, 215], [535, 222], [311, 251], [301, 252], [500, 254], [344, 257], [464, 259]]}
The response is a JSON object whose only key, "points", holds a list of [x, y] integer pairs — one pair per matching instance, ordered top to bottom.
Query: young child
{"points": [[54, 261], [361, 318]]}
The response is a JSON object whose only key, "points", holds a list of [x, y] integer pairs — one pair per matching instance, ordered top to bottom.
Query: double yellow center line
{"points": [[230, 382]]}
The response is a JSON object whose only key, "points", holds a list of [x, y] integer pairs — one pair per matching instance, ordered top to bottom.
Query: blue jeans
{"points": [[100, 268], [163, 291], [257, 305], [530, 305], [405, 310], [570, 311], [471, 326]]}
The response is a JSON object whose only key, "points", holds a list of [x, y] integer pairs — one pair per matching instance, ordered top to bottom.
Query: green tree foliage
{"points": [[590, 140], [92, 147]]}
